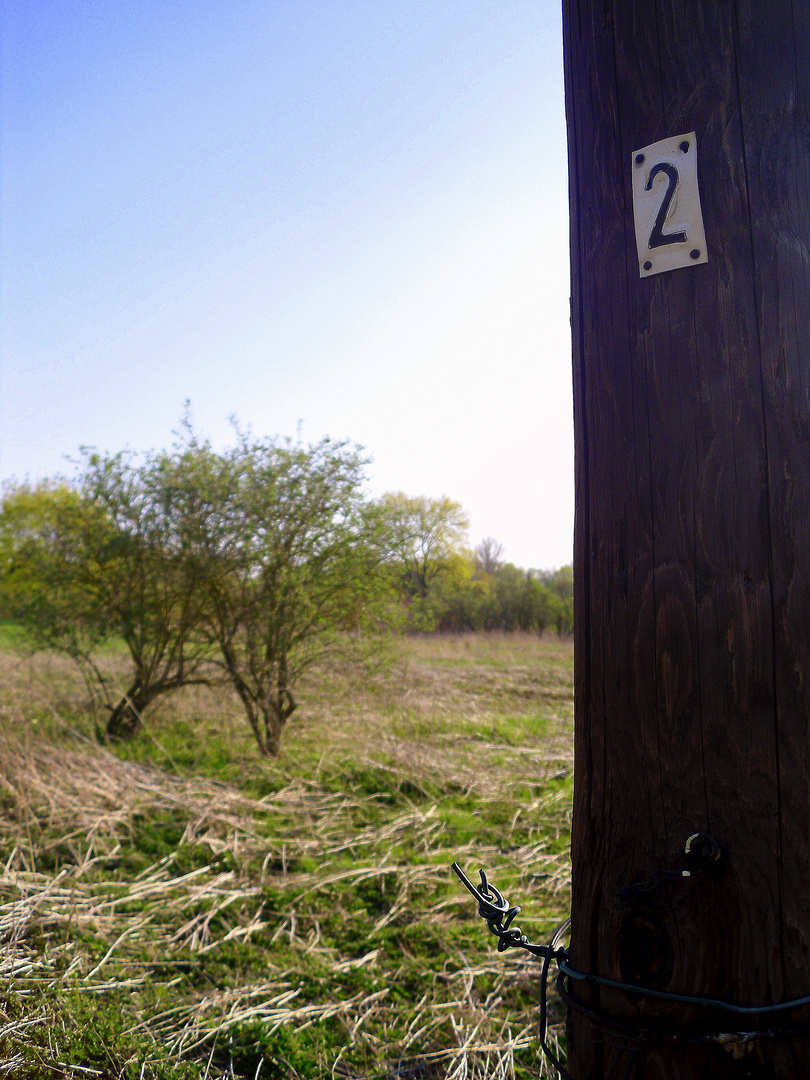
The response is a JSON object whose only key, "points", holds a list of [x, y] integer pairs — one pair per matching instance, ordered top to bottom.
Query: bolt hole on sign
{"points": [[666, 206]]}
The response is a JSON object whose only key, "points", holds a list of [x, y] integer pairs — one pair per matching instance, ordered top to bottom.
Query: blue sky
{"points": [[344, 218]]}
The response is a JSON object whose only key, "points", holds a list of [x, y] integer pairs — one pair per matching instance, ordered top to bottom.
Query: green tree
{"points": [[422, 535], [288, 556], [98, 560], [47, 568], [560, 581], [560, 585], [460, 597], [519, 601]]}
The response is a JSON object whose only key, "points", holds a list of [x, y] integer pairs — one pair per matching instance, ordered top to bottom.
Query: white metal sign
{"points": [[666, 206]]}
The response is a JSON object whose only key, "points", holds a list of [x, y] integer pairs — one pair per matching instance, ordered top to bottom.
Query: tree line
{"points": [[246, 566], [446, 586]]}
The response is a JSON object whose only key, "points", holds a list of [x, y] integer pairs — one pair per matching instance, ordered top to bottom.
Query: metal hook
{"points": [[707, 851], [492, 904]]}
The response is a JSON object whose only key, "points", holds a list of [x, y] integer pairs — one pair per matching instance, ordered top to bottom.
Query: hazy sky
{"points": [[345, 214]]}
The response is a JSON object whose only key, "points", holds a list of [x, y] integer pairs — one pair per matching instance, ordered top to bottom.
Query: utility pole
{"points": [[689, 147]]}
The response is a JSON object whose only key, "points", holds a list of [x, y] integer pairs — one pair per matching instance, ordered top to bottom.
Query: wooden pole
{"points": [[692, 546]]}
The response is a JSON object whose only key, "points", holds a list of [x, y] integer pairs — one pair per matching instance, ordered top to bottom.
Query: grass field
{"points": [[182, 908]]}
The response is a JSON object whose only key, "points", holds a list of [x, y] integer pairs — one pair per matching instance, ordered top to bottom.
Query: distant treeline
{"points": [[246, 566], [446, 586], [506, 597]]}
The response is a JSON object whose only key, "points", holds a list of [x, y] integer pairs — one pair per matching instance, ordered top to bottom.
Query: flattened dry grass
{"points": [[181, 908]]}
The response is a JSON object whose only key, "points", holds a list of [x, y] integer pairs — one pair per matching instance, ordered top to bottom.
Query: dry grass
{"points": [[310, 898]]}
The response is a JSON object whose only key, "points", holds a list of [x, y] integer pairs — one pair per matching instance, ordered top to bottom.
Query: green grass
{"points": [[12, 636], [182, 908]]}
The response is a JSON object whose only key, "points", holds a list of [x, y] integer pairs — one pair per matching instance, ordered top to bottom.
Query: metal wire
{"points": [[498, 914], [553, 952], [686, 999]]}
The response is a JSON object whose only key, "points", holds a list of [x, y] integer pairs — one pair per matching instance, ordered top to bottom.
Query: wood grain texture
{"points": [[692, 539]]}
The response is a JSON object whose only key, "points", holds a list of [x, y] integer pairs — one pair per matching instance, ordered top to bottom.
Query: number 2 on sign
{"points": [[666, 206], [657, 236]]}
